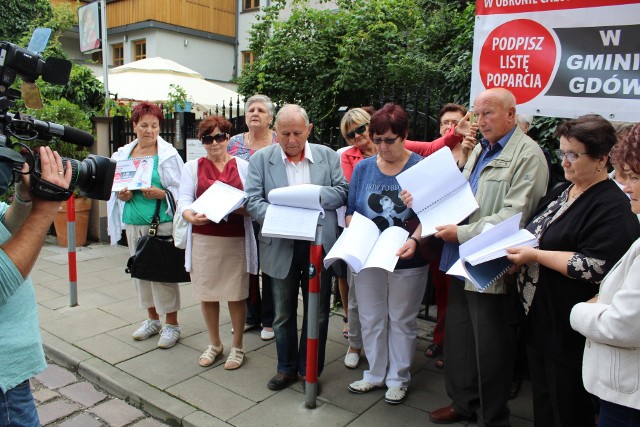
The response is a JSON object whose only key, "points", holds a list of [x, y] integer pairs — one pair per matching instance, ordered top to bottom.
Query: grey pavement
{"points": [[94, 341]]}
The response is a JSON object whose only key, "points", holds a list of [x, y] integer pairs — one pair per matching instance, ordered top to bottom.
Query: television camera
{"points": [[93, 176]]}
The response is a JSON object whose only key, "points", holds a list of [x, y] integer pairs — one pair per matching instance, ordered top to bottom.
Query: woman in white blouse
{"points": [[611, 320]]}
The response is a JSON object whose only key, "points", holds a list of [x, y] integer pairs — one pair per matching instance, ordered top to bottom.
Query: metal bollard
{"points": [[71, 251], [315, 268]]}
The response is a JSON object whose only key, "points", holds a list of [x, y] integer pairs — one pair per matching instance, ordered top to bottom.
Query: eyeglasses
{"points": [[449, 123], [357, 131], [208, 139], [387, 141], [571, 156]]}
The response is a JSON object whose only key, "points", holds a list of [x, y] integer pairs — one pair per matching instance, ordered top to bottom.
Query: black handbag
{"points": [[156, 258]]}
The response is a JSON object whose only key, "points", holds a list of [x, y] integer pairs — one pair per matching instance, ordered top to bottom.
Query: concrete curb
{"points": [[124, 386]]}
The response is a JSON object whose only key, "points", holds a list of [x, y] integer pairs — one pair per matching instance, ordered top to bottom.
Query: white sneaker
{"points": [[148, 328], [169, 336], [351, 360], [395, 395]]}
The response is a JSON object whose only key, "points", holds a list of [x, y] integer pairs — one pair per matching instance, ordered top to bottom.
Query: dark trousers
{"points": [[259, 307], [478, 353], [292, 358], [559, 398], [614, 415]]}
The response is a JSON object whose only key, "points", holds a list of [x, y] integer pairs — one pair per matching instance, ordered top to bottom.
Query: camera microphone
{"points": [[46, 130], [65, 133]]}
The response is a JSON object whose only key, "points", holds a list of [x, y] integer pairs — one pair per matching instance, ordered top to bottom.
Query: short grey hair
{"points": [[264, 99], [295, 108], [525, 118]]}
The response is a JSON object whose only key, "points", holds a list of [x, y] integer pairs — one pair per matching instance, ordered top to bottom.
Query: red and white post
{"points": [[315, 267]]}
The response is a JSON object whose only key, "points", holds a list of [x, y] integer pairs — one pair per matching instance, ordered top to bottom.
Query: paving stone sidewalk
{"points": [[94, 340], [65, 399]]}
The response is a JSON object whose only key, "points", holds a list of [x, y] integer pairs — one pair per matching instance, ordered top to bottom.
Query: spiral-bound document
{"points": [[441, 194], [218, 201], [293, 212], [362, 245], [483, 259]]}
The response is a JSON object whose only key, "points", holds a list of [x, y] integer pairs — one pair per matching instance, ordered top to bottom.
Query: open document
{"points": [[133, 174], [441, 194], [218, 201], [293, 212], [362, 245], [483, 259]]}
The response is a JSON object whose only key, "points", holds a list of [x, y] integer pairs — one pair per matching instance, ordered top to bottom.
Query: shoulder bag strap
{"points": [[155, 221]]}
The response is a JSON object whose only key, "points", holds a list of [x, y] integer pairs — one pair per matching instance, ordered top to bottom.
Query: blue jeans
{"points": [[292, 359], [17, 407], [614, 415]]}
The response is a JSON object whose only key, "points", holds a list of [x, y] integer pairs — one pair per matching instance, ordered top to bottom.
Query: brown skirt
{"points": [[219, 268]]}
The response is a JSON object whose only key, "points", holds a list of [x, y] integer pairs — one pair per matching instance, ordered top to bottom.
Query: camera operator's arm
{"points": [[21, 205], [23, 248]]}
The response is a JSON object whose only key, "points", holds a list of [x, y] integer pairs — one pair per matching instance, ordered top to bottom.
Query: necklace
{"points": [[259, 145], [577, 193]]}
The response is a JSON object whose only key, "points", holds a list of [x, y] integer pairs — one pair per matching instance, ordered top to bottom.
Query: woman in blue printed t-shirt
{"points": [[388, 302]]}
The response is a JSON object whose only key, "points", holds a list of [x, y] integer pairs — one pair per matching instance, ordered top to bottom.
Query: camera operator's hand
{"points": [[53, 172], [23, 248]]}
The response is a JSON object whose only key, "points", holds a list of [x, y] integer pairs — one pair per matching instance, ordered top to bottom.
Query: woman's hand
{"points": [[464, 126], [153, 193], [125, 195], [406, 198], [195, 218], [407, 249], [522, 255]]}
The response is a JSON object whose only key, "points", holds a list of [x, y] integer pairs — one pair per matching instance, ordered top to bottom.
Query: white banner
{"points": [[560, 58]]}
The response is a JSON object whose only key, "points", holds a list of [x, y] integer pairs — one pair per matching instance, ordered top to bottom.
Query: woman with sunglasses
{"points": [[258, 115], [353, 126], [135, 209], [583, 227], [219, 256], [388, 302]]}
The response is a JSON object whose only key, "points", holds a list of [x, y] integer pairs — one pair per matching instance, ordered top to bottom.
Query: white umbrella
{"points": [[149, 80]]}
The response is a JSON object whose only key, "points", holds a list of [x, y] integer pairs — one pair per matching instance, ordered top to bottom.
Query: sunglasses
{"points": [[357, 131], [208, 139], [387, 141]]}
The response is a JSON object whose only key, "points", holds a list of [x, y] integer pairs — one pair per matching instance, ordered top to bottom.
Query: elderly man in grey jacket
{"points": [[295, 161]]}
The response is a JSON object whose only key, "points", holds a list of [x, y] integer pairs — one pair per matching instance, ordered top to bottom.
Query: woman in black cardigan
{"points": [[583, 228]]}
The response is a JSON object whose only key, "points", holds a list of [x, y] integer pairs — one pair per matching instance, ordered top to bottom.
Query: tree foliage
{"points": [[18, 17], [327, 58]]}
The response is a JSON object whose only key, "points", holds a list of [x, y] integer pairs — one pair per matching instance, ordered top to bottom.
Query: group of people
{"points": [[548, 300]]}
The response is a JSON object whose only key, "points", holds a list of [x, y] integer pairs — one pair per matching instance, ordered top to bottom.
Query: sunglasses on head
{"points": [[359, 131], [208, 139]]}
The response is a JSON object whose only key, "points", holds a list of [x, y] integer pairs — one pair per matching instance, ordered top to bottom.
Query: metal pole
{"points": [[105, 55], [71, 251], [313, 327]]}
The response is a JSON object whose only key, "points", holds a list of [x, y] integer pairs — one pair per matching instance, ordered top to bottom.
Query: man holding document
{"points": [[294, 162], [508, 174]]}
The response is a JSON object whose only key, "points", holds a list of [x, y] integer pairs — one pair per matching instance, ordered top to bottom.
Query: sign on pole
{"points": [[89, 28], [560, 58]]}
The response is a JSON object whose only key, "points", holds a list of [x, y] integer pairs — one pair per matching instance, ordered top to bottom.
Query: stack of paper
{"points": [[441, 194], [218, 201], [293, 212], [362, 245], [483, 259]]}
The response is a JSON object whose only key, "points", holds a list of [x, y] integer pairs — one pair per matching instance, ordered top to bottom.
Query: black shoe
{"points": [[281, 380], [304, 386], [515, 389]]}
